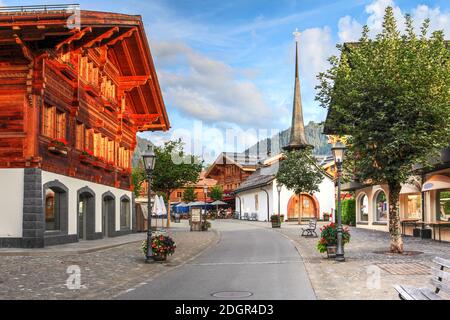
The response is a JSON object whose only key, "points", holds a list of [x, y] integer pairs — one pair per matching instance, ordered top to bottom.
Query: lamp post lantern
{"points": [[338, 150], [149, 159], [279, 186]]}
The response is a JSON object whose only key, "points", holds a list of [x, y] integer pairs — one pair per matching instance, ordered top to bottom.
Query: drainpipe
{"points": [[240, 206], [268, 215]]}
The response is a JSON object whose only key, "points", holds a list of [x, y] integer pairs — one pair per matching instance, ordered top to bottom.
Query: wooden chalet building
{"points": [[72, 98]]}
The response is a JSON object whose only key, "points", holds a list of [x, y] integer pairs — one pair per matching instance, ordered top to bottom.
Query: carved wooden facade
{"points": [[73, 99]]}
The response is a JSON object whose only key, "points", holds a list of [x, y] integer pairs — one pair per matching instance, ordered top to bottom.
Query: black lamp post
{"points": [[338, 150], [149, 159], [279, 186], [205, 192]]}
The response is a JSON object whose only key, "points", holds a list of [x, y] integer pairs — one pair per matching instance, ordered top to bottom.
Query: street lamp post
{"points": [[338, 150], [149, 164], [279, 186], [205, 192]]}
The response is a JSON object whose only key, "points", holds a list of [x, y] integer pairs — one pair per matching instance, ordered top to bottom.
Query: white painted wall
{"points": [[74, 185], [326, 198], [11, 201], [248, 203]]}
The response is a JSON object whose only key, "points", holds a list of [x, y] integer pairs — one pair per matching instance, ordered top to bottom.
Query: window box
{"points": [[58, 146], [86, 159], [99, 164], [109, 167], [125, 172]]}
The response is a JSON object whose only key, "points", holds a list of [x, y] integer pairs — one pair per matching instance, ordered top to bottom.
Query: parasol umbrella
{"points": [[218, 203]]}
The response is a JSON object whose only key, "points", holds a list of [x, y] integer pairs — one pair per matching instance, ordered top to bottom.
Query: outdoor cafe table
{"points": [[439, 225]]}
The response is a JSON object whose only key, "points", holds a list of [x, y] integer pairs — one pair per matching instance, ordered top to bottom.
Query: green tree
{"points": [[391, 96], [174, 168], [299, 172], [138, 176], [216, 193], [189, 194]]}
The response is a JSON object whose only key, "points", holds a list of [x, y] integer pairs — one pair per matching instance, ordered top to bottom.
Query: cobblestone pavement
{"points": [[104, 274], [365, 274]]}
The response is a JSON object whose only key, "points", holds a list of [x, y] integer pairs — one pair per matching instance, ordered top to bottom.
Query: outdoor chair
{"points": [[246, 216], [254, 216], [310, 230], [440, 282]]}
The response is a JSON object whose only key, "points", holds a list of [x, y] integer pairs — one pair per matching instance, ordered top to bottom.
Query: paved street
{"points": [[249, 262]]}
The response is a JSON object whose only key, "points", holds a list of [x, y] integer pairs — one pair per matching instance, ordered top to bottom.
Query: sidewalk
{"points": [[105, 271], [365, 274]]}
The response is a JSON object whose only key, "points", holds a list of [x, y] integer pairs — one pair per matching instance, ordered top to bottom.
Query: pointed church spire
{"points": [[298, 139]]}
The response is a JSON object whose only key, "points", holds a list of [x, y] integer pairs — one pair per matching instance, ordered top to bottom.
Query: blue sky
{"points": [[230, 64]]}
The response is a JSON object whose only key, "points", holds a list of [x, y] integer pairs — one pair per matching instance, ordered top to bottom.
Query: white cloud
{"points": [[350, 29], [316, 45], [208, 89]]}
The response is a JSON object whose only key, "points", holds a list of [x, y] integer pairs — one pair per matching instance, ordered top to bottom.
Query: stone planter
{"points": [[331, 252]]}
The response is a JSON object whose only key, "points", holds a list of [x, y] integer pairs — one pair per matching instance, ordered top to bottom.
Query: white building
{"points": [[258, 195]]}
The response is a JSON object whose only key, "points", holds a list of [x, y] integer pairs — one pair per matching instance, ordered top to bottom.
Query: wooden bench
{"points": [[310, 230], [440, 281]]}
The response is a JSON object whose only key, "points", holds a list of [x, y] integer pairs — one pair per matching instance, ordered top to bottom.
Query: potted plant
{"points": [[58, 146], [86, 157], [281, 217], [276, 221], [206, 225], [328, 239], [161, 247]]}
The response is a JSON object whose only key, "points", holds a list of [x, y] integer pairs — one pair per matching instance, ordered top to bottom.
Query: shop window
{"points": [[443, 202], [56, 206], [381, 206], [363, 208], [413, 209]]}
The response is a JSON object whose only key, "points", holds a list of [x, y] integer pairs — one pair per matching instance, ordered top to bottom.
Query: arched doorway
{"points": [[303, 206], [86, 214], [108, 214]]}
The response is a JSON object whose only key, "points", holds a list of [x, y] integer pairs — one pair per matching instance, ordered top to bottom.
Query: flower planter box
{"points": [[57, 149], [85, 159], [99, 164], [109, 168], [276, 224], [331, 252]]}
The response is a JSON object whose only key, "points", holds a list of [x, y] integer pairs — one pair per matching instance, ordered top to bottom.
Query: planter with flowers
{"points": [[58, 146], [87, 157], [99, 162], [109, 166], [125, 171], [276, 221], [328, 239], [161, 246]]}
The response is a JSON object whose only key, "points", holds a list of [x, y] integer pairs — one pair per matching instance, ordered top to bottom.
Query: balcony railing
{"points": [[39, 8]]}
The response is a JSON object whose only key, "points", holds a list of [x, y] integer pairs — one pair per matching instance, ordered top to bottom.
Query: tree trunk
{"points": [[394, 218]]}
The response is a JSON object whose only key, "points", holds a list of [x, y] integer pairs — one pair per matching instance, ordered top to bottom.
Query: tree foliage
{"points": [[391, 96], [174, 168], [299, 172], [138, 176], [216, 193], [189, 194]]}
